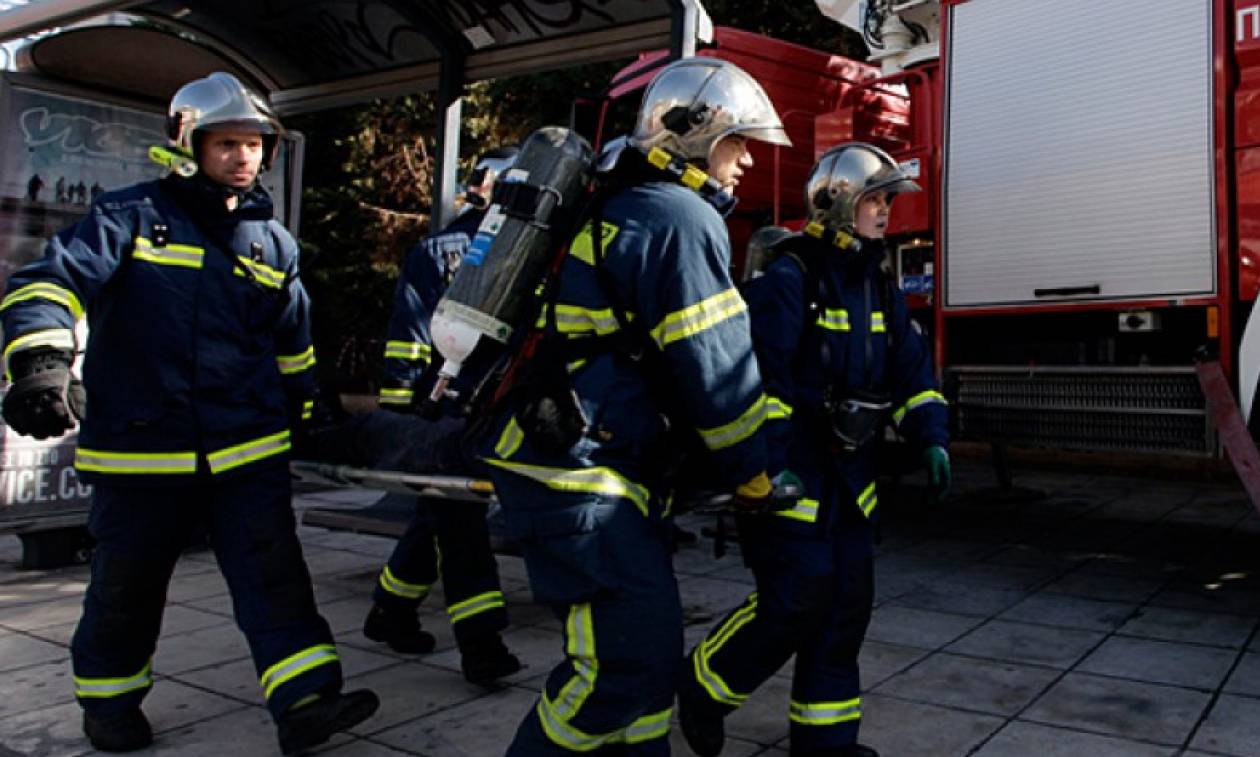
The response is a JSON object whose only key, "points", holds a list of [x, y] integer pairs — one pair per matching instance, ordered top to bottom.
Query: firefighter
{"points": [[841, 358], [198, 367], [590, 514], [450, 538]]}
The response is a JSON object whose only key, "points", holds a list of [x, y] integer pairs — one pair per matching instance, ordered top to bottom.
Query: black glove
{"points": [[45, 400]]}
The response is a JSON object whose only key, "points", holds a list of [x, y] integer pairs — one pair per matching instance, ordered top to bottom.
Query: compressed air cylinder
{"points": [[533, 206]]}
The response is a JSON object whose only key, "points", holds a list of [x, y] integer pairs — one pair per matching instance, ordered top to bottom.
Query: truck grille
{"points": [[1158, 410]]}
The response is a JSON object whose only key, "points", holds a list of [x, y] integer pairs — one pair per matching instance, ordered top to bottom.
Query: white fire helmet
{"points": [[220, 100], [693, 103]]}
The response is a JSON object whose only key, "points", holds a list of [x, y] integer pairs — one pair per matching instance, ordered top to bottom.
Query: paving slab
{"points": [[1093, 585], [960, 597], [1051, 609], [1172, 624], [911, 627], [1011, 641], [19, 651], [879, 661], [1189, 665], [1246, 677], [968, 683], [35, 687], [1109, 706], [1232, 727], [908, 729], [1020, 739]]}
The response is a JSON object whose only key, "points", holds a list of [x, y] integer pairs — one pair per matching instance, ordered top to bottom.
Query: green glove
{"points": [[936, 461]]}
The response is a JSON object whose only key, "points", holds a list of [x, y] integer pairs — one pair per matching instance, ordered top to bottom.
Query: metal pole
{"points": [[449, 107]]}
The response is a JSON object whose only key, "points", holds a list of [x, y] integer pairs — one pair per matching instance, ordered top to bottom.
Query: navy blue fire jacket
{"points": [[667, 253], [427, 271], [860, 337], [199, 349]]}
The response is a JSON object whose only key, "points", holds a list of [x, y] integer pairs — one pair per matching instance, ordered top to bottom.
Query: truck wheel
{"points": [[55, 548]]}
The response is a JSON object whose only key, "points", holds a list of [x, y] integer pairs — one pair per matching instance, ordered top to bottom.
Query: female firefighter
{"points": [[840, 359]]}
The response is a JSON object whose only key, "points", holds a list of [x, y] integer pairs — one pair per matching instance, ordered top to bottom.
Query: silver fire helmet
{"points": [[221, 101], [693, 103], [843, 175]]}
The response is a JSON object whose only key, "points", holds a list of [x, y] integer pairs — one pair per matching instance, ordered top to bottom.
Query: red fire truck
{"points": [[1087, 221]]}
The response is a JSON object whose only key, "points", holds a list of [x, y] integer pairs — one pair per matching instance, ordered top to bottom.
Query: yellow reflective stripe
{"points": [[582, 246], [184, 255], [263, 273], [43, 290], [572, 319], [693, 319], [834, 319], [877, 323], [60, 338], [408, 350], [290, 364], [397, 396], [929, 397], [308, 409], [777, 409], [739, 429], [510, 440], [248, 452], [102, 461], [597, 480], [867, 500], [805, 510], [399, 588], [475, 605], [579, 647], [295, 665], [714, 684], [101, 688], [825, 713], [654, 726]]}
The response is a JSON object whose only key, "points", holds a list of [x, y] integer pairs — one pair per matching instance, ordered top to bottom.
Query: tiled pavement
{"points": [[1115, 617]]}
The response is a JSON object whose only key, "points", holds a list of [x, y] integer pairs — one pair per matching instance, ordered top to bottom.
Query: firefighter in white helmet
{"points": [[656, 327], [841, 360], [198, 368]]}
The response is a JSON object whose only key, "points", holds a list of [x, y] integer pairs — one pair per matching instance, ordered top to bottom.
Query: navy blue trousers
{"points": [[140, 532]]}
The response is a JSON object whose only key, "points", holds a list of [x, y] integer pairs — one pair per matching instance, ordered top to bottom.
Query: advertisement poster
{"points": [[57, 153]]}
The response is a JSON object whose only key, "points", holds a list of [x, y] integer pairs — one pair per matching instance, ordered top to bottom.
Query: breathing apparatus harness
{"points": [[536, 384], [854, 415]]}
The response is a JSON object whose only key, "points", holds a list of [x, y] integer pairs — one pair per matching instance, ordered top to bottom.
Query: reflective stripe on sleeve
{"points": [[182, 255], [263, 273], [43, 290], [696, 318], [573, 319], [834, 319], [877, 323], [60, 338], [400, 350], [291, 364], [397, 396], [929, 397], [308, 409], [777, 409], [739, 429], [510, 440], [248, 452], [101, 461], [597, 480], [867, 500], [805, 510], [399, 588], [475, 605], [295, 665], [102, 688], [825, 713]]}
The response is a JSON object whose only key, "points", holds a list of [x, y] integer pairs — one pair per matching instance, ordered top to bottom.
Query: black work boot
{"points": [[399, 628], [485, 659], [700, 717], [310, 724], [126, 732]]}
